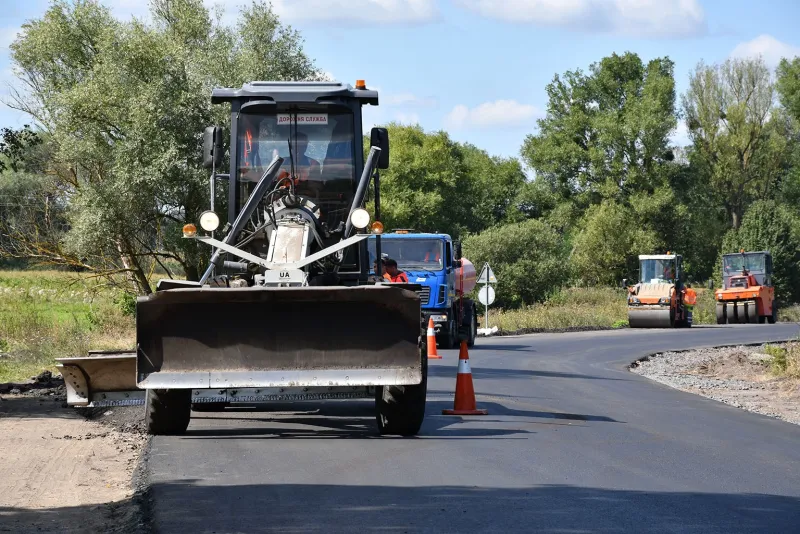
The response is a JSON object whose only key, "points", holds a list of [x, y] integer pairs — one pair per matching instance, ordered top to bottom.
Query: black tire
{"points": [[722, 316], [772, 319], [473, 329], [400, 410], [168, 411]]}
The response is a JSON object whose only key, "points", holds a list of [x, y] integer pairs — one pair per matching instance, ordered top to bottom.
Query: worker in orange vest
{"points": [[393, 274], [689, 300]]}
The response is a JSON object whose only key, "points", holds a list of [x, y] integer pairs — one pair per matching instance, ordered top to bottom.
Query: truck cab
{"points": [[434, 261]]}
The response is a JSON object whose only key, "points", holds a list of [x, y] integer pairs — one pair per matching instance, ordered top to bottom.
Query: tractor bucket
{"points": [[737, 312], [650, 317], [207, 337]]}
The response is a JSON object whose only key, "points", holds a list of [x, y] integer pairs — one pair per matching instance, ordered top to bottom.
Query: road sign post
{"points": [[486, 294]]}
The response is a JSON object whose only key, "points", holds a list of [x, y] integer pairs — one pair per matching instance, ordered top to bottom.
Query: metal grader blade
{"points": [[649, 317], [278, 337]]}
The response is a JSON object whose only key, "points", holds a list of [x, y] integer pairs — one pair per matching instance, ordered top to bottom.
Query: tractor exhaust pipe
{"points": [[244, 215]]}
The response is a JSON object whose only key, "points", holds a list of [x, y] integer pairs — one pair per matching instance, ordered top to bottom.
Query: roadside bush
{"points": [[528, 259]]}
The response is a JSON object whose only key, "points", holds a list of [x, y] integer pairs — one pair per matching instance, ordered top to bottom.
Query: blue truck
{"points": [[434, 261]]}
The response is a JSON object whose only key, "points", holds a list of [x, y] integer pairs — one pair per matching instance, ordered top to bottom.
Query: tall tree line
{"points": [[112, 170]]}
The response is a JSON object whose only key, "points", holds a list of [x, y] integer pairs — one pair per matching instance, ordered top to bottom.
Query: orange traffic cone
{"points": [[432, 354], [465, 394]]}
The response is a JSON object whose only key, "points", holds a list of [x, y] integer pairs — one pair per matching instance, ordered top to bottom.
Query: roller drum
{"points": [[650, 318]]}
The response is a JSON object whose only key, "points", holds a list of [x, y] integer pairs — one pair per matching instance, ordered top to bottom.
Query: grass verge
{"points": [[49, 314]]}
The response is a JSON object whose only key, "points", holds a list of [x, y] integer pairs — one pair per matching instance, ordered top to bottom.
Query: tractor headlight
{"points": [[360, 218], [209, 221]]}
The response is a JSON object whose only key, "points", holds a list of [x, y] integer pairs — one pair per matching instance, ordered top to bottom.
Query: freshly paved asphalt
{"points": [[573, 442]]}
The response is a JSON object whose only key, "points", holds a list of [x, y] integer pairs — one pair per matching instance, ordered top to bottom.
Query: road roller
{"points": [[747, 294], [657, 300]]}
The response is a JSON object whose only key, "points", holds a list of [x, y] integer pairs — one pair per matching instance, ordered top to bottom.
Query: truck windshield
{"points": [[323, 148], [411, 254], [734, 263], [653, 271]]}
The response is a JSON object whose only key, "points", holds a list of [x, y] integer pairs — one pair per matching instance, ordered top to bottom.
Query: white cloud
{"points": [[358, 11], [637, 18], [767, 47], [409, 100], [500, 113], [407, 118]]}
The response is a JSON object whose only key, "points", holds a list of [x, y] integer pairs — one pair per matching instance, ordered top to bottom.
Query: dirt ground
{"points": [[739, 376], [64, 470]]}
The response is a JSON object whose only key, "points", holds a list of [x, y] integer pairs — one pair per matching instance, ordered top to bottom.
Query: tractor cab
{"points": [[660, 268], [746, 269]]}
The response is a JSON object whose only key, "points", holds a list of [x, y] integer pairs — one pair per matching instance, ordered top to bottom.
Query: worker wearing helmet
{"points": [[393, 274], [689, 300]]}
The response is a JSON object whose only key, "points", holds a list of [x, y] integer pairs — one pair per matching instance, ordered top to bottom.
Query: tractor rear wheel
{"points": [[399, 410], [168, 411]]}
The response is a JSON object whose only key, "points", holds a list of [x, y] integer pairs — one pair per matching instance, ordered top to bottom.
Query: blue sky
{"points": [[478, 68]]}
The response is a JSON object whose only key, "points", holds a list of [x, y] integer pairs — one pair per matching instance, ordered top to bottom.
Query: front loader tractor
{"points": [[747, 294], [657, 300], [287, 308]]}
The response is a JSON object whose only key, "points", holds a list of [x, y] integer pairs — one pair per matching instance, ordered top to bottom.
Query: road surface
{"points": [[573, 442]]}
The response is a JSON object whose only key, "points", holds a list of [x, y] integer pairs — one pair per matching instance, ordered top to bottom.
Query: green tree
{"points": [[125, 103], [605, 134], [738, 139], [528, 259]]}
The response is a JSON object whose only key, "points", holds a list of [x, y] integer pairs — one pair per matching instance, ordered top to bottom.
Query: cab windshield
{"points": [[318, 147], [410, 254], [734, 264], [656, 271]]}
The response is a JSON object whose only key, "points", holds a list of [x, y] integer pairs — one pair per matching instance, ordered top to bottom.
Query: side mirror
{"points": [[379, 137], [212, 147], [457, 250], [457, 264], [624, 283], [710, 284]]}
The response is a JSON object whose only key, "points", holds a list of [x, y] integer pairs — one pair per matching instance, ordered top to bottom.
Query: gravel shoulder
{"points": [[739, 376], [66, 470]]}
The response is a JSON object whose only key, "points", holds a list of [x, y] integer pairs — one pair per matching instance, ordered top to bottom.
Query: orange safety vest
{"points": [[428, 256], [401, 277], [690, 297]]}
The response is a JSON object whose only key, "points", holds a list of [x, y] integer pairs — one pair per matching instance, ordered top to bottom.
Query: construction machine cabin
{"points": [[747, 294], [286, 309]]}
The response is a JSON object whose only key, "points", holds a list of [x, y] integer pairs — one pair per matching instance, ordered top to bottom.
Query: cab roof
{"points": [[293, 92], [658, 256]]}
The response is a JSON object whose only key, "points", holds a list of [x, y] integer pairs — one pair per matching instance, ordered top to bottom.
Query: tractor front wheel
{"points": [[400, 410], [168, 411]]}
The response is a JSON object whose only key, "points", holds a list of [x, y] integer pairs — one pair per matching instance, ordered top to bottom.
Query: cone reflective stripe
{"points": [[432, 354], [464, 403]]}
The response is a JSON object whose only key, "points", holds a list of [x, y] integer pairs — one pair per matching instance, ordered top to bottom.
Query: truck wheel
{"points": [[772, 319], [473, 330], [401, 409], [168, 411]]}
